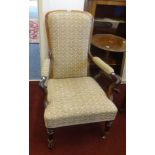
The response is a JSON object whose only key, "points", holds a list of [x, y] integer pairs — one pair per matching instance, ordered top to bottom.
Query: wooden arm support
{"points": [[45, 72], [115, 81], [42, 83]]}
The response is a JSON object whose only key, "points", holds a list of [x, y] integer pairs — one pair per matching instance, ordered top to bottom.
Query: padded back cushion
{"points": [[69, 35]]}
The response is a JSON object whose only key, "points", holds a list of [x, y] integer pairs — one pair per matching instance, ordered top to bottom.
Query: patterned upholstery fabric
{"points": [[69, 36], [102, 65], [45, 68], [72, 97], [76, 101]]}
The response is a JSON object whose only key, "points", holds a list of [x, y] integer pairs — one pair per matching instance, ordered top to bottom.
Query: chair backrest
{"points": [[69, 34]]}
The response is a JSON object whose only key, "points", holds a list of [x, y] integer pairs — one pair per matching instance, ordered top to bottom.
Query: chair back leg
{"points": [[107, 127]]}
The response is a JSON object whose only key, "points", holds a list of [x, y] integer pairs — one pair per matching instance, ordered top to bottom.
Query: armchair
{"points": [[72, 97]]}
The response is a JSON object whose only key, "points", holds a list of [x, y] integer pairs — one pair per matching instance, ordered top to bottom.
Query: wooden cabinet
{"points": [[92, 4], [109, 18]]}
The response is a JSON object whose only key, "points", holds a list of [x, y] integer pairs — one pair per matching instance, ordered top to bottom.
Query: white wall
{"points": [[63, 4], [48, 5], [124, 73]]}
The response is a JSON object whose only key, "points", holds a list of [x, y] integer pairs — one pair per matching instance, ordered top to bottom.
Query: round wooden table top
{"points": [[109, 42]]}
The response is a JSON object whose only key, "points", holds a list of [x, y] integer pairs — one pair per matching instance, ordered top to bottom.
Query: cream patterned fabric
{"points": [[69, 35], [102, 65], [45, 68], [76, 101]]}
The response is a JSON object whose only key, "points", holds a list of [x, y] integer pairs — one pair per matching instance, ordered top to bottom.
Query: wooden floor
{"points": [[74, 140]]}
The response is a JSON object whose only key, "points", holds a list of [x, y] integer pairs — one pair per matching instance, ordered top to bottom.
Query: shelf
{"points": [[109, 20], [107, 25], [114, 62]]}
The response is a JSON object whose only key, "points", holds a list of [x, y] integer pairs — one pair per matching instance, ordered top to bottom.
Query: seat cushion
{"points": [[74, 101]]}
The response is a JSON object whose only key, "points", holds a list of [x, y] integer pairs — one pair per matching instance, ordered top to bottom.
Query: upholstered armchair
{"points": [[72, 96]]}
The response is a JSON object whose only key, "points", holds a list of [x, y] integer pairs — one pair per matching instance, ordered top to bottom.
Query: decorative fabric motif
{"points": [[33, 31], [69, 34], [102, 65], [45, 68], [73, 98], [76, 101]]}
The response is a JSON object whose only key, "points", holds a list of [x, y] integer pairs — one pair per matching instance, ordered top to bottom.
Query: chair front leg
{"points": [[107, 127], [50, 133]]}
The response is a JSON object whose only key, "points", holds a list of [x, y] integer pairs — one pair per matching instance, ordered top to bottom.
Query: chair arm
{"points": [[102, 65], [45, 69], [115, 80], [42, 82]]}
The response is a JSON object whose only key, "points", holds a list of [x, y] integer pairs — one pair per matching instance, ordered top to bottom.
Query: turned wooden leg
{"points": [[108, 125], [50, 133]]}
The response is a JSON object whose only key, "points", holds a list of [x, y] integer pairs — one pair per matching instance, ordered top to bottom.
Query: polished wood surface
{"points": [[93, 4], [109, 42]]}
